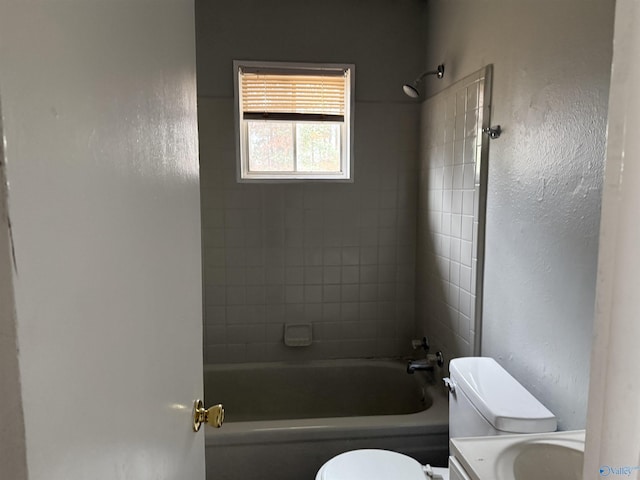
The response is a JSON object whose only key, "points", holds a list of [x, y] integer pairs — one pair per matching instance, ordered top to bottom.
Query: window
{"points": [[294, 121]]}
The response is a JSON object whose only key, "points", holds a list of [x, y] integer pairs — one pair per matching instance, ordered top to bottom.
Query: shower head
{"points": [[412, 90]]}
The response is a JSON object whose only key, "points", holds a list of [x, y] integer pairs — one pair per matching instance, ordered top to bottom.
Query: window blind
{"points": [[282, 96]]}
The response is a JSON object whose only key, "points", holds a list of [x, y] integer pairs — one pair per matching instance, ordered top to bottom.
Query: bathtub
{"points": [[284, 420]]}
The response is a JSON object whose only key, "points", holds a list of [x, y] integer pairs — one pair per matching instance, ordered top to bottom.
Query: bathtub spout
{"points": [[428, 364], [414, 365]]}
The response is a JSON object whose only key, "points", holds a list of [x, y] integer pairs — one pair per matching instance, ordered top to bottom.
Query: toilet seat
{"points": [[372, 464]]}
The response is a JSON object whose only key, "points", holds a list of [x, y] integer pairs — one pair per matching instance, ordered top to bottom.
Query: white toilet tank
{"points": [[486, 400]]}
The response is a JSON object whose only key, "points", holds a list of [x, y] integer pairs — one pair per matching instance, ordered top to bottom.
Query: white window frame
{"points": [[244, 175]]}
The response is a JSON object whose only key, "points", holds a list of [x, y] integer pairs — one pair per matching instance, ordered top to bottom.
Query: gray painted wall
{"points": [[551, 76], [339, 256]]}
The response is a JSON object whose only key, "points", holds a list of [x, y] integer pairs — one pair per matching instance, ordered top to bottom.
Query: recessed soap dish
{"points": [[297, 334]]}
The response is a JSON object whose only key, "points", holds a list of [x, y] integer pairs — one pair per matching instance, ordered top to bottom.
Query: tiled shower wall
{"points": [[450, 207], [338, 256]]}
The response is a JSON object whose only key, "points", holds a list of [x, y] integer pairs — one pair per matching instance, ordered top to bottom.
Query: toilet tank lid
{"points": [[506, 404]]}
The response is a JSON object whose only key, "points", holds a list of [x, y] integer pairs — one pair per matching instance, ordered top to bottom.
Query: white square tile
{"points": [[471, 123], [459, 127], [449, 131], [470, 149], [458, 152], [437, 153], [448, 154], [436, 176], [457, 176], [447, 179], [468, 180], [468, 197], [447, 200], [436, 202], [456, 202], [368, 217], [446, 224], [456, 226], [467, 228], [350, 236], [387, 236], [213, 237], [293, 237], [313, 237], [332, 237], [368, 237], [445, 246], [455, 250], [466, 253], [294, 256], [313, 256], [332, 256], [350, 256], [368, 256], [254, 257], [386, 258], [443, 268], [368, 273], [454, 273], [350, 274], [274, 275], [294, 275], [312, 275], [331, 275], [215, 276], [235, 276], [465, 278], [368, 292], [331, 293], [274, 294], [294, 294], [313, 294], [236, 295], [255, 295], [215, 296], [453, 296], [465, 303], [349, 311], [330, 312], [215, 315], [463, 327]]}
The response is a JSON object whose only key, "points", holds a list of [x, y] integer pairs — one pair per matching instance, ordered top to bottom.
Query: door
{"points": [[99, 120]]}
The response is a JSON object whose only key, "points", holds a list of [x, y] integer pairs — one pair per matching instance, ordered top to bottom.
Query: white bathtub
{"points": [[291, 418]]}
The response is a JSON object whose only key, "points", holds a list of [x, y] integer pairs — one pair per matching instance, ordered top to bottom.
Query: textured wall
{"points": [[551, 74], [339, 256]]}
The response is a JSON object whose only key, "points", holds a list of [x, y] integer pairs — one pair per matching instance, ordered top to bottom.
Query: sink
{"points": [[556, 456], [533, 460]]}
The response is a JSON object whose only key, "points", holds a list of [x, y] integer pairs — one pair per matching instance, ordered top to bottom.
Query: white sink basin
{"points": [[558, 456], [533, 460]]}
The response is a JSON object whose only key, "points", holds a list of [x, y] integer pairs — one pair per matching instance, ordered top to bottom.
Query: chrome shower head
{"points": [[412, 90]]}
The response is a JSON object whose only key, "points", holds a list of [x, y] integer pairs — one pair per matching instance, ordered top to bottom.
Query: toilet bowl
{"points": [[483, 400], [373, 464]]}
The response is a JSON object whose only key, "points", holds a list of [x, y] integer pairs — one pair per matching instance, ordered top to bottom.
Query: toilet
{"points": [[483, 400]]}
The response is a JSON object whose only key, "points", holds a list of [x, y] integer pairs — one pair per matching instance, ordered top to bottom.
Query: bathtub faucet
{"points": [[426, 364]]}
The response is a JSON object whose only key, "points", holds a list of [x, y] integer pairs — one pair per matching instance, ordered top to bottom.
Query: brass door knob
{"points": [[213, 416]]}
